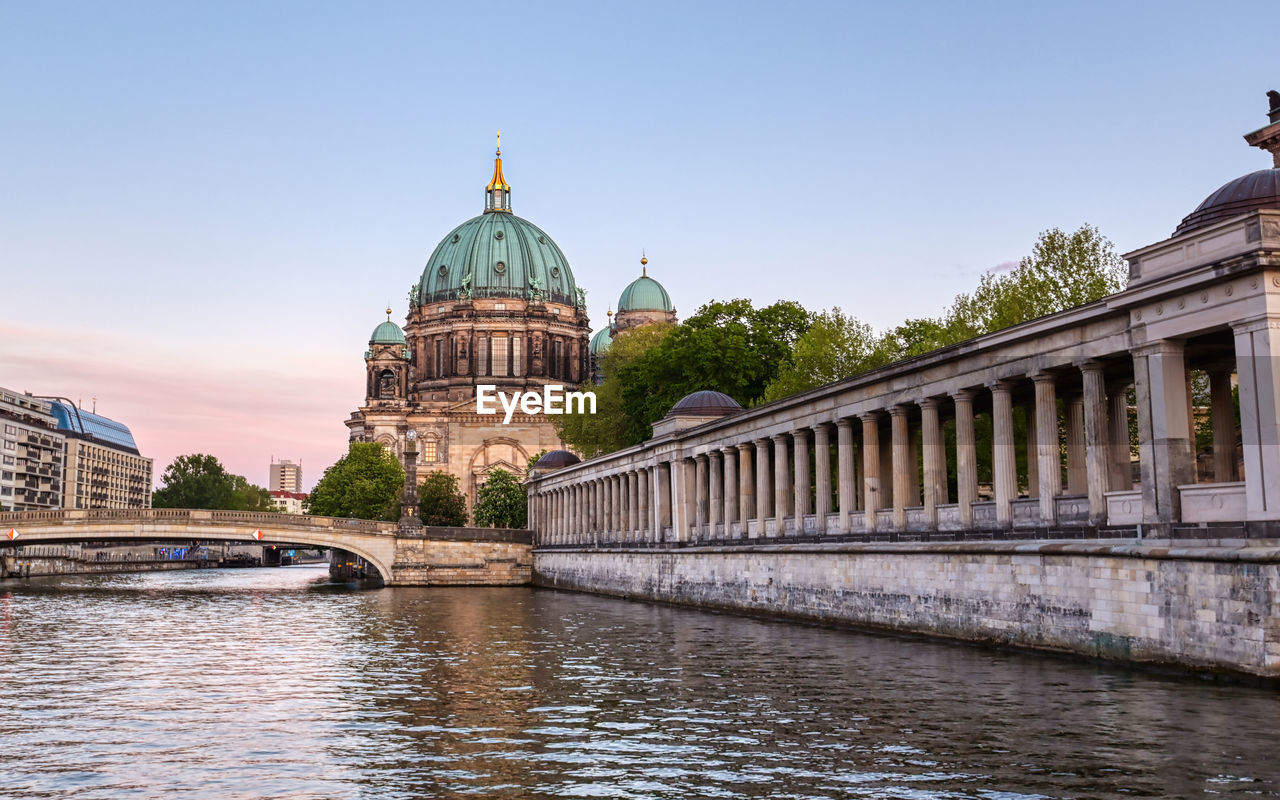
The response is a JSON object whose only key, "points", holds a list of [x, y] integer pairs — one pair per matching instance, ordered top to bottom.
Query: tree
{"points": [[728, 347], [835, 347], [610, 428], [200, 481], [365, 483], [440, 502], [501, 502]]}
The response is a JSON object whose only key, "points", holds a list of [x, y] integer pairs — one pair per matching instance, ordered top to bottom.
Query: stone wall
{"points": [[440, 562], [1211, 608]]}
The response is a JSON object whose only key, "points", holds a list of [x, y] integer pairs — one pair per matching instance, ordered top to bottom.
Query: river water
{"points": [[272, 683]]}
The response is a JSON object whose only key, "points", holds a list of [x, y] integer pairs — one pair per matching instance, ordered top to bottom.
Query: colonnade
{"points": [[883, 468]]}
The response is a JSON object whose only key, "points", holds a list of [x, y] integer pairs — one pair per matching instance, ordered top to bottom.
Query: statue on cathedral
{"points": [[535, 289], [464, 293], [413, 294], [582, 297]]}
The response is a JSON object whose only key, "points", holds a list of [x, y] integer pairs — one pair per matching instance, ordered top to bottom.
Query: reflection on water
{"points": [[270, 683]]}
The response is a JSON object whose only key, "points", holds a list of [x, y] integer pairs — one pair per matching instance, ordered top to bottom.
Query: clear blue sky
{"points": [[204, 207]]}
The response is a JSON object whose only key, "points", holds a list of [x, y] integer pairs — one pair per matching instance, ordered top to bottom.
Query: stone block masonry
{"points": [[439, 562], [1206, 608]]}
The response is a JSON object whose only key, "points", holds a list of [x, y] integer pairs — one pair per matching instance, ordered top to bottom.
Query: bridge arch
{"points": [[371, 540]]}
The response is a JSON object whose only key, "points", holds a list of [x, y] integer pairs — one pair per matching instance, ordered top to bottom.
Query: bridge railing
{"points": [[258, 518]]}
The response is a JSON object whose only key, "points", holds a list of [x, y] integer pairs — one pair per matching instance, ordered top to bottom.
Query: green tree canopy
{"points": [[728, 347], [835, 347], [200, 481], [365, 483], [440, 502], [501, 503]]}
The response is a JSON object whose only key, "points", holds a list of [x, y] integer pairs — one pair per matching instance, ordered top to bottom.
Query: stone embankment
{"points": [[1210, 605]]}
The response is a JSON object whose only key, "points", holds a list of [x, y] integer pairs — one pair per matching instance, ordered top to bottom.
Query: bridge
{"points": [[426, 556]]}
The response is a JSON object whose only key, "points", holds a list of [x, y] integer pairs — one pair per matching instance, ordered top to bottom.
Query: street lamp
{"points": [[409, 520]]}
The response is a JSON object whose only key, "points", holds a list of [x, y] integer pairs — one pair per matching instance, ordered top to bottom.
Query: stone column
{"points": [[1258, 373], [1222, 416], [1164, 431], [1095, 440], [1047, 452], [966, 457], [1033, 457], [871, 465], [935, 465], [1004, 467], [1077, 474], [822, 475], [845, 476], [902, 478], [1121, 479], [781, 482], [746, 483], [715, 486], [663, 488], [642, 490], [700, 492], [914, 494], [691, 497], [764, 498], [731, 501], [633, 503], [623, 505], [800, 505], [606, 508], [655, 508], [602, 510]]}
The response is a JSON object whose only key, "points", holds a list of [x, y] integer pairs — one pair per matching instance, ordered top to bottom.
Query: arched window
{"points": [[387, 385]]}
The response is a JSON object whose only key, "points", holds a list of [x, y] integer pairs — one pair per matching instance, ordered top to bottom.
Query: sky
{"points": [[205, 208]]}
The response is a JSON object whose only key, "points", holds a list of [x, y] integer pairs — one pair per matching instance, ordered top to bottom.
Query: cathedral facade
{"points": [[496, 304]]}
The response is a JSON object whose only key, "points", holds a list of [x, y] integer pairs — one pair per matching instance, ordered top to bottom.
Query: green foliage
{"points": [[1064, 270], [728, 347], [834, 347], [610, 428], [200, 481], [365, 483], [440, 502], [501, 502]]}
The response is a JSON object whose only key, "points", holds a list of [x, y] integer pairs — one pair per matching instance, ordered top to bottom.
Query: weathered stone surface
{"points": [[1127, 603]]}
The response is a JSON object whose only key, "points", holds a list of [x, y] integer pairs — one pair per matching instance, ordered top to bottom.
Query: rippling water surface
{"points": [[271, 683]]}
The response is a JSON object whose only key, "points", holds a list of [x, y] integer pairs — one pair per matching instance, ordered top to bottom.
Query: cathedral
{"points": [[496, 304]]}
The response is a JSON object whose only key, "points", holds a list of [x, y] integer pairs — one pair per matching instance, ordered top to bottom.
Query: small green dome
{"points": [[497, 255], [644, 294], [387, 333], [601, 341]]}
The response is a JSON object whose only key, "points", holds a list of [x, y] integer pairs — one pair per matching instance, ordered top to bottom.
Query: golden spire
{"points": [[497, 193], [644, 269], [388, 312]]}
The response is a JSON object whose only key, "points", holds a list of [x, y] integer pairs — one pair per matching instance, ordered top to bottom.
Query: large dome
{"points": [[1247, 193], [497, 255]]}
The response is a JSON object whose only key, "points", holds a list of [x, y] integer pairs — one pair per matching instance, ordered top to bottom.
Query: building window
{"points": [[482, 355], [500, 356], [517, 361], [9, 429], [8, 445], [429, 453], [8, 461]]}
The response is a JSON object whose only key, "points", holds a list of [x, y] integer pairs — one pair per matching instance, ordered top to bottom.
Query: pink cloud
{"points": [[241, 404]]}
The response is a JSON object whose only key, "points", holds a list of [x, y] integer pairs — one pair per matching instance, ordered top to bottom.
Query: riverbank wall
{"points": [[41, 561], [1205, 605]]}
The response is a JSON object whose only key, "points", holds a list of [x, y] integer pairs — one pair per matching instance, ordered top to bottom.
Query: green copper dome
{"points": [[497, 254], [644, 294], [387, 333], [601, 341]]}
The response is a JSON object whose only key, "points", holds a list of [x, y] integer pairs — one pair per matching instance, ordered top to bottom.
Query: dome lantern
{"points": [[497, 195]]}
